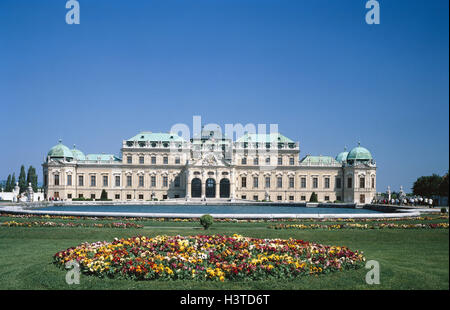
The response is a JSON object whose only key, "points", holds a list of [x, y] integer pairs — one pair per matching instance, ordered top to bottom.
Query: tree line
{"points": [[24, 180], [433, 185]]}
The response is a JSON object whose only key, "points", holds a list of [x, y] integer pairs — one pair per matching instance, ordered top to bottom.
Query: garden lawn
{"points": [[409, 258]]}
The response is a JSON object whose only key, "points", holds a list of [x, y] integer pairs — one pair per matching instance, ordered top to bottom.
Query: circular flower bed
{"points": [[205, 257]]}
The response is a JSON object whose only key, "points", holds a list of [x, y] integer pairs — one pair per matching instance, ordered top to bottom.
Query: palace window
{"points": [[129, 159], [141, 160], [153, 160], [165, 160], [177, 160], [244, 160], [267, 160], [256, 161], [280, 161], [291, 161], [56, 179], [69, 180], [80, 180], [93, 180], [105, 180], [117, 181], [129, 181], [141, 181], [153, 181], [165, 181], [177, 181], [244, 182], [255, 182], [279, 182], [291, 182], [303, 182], [315, 182], [327, 182], [349, 182], [362, 182], [373, 182], [338, 183], [267, 185], [80, 195], [69, 196], [92, 196], [117, 196], [128, 196], [244, 196], [141, 197], [255, 197], [279, 198], [291, 198], [303, 198], [327, 198], [338, 198]]}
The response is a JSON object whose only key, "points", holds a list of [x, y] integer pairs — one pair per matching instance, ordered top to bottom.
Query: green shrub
{"points": [[104, 195], [313, 197], [206, 221]]}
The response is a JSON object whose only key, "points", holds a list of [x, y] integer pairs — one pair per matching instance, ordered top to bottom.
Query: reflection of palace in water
{"points": [[254, 167]]}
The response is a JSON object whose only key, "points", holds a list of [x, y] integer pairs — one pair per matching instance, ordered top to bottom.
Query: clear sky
{"points": [[315, 68]]}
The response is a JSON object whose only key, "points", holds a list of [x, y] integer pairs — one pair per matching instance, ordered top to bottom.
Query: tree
{"points": [[32, 178], [22, 180], [13, 182], [8, 184], [427, 186], [443, 187], [104, 195], [313, 197], [206, 221]]}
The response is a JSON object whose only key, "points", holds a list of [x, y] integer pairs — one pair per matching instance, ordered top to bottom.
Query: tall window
{"points": [[141, 159], [129, 160], [153, 160], [165, 160], [177, 160], [244, 160], [267, 160], [256, 161], [280, 161], [291, 161], [56, 178], [69, 180], [80, 180], [93, 180], [105, 180], [117, 181], [129, 181], [141, 181], [153, 181], [165, 181], [177, 181], [244, 182], [255, 182], [279, 182], [291, 182], [303, 182], [315, 182], [349, 182], [362, 182], [373, 182], [327, 183], [338, 183], [267, 185]]}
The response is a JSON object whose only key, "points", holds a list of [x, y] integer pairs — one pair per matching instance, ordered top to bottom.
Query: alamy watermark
{"points": [[73, 15], [373, 15], [73, 275], [373, 275]]}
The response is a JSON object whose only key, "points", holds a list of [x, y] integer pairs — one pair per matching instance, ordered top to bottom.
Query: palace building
{"points": [[255, 167]]}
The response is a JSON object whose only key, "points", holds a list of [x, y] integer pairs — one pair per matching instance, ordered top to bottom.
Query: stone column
{"points": [[188, 185], [217, 189], [232, 189]]}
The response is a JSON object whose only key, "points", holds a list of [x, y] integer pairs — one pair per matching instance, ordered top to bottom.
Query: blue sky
{"points": [[315, 68]]}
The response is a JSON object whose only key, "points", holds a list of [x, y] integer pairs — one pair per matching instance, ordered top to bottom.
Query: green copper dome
{"points": [[60, 151], [359, 153], [77, 154], [342, 156]]}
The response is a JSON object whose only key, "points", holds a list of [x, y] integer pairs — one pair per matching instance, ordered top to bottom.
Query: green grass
{"points": [[409, 259]]}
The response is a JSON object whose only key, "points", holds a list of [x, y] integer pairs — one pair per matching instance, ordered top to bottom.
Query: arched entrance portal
{"points": [[196, 188], [224, 188], [210, 190]]}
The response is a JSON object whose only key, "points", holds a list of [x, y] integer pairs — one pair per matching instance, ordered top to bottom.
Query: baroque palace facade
{"points": [[256, 167]]}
